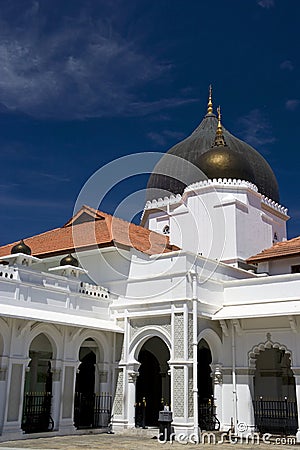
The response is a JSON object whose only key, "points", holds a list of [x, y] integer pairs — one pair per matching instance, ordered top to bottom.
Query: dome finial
{"points": [[209, 104], [219, 139]]}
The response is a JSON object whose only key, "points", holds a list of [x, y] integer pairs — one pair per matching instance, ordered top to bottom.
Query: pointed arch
{"points": [[52, 334], [142, 336], [4, 337], [99, 338], [214, 342]]}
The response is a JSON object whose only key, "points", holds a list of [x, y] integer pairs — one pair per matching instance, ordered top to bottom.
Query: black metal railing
{"points": [[92, 410], [37, 412], [276, 416], [207, 417]]}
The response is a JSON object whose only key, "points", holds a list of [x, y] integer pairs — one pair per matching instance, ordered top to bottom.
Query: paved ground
{"points": [[123, 441]]}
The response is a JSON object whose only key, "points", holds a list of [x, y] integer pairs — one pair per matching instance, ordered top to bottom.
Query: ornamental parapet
{"points": [[216, 182], [272, 204], [93, 290]]}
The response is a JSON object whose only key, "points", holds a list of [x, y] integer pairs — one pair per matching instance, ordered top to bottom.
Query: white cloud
{"points": [[266, 3], [287, 65], [82, 67], [292, 104], [255, 128]]}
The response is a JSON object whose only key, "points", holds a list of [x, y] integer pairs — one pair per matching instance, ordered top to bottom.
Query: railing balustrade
{"points": [[92, 410], [37, 412], [276, 416]]}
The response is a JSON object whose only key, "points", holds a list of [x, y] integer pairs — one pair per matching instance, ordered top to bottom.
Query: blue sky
{"points": [[83, 82]]}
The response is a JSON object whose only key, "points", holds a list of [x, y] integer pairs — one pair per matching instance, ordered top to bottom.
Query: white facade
{"points": [[222, 219], [167, 310]]}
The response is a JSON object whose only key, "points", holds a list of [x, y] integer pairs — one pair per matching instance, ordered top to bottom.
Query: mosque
{"points": [[195, 311]]}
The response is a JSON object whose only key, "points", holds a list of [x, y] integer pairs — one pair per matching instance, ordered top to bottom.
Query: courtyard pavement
{"points": [[125, 441]]}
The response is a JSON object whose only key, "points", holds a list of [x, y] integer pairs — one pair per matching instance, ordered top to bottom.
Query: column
{"points": [[181, 365], [103, 370], [132, 374], [217, 378], [3, 384], [68, 390], [56, 391], [14, 395], [244, 398], [119, 400]]}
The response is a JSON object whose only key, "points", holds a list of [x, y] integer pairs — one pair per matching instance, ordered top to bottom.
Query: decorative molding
{"points": [[216, 182], [160, 202], [266, 202], [273, 205], [93, 290], [138, 324], [293, 324], [237, 325], [24, 327], [224, 327], [74, 334], [178, 336], [190, 336], [255, 351], [245, 371], [56, 374], [217, 374], [103, 376], [132, 376], [178, 391], [190, 393], [118, 400]]}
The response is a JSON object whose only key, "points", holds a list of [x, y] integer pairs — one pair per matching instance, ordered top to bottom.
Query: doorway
{"points": [[153, 382], [38, 387]]}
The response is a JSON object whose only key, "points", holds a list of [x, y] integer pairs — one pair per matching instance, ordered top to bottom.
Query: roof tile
{"points": [[91, 228], [280, 250]]}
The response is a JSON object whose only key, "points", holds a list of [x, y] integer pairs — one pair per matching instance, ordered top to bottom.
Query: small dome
{"points": [[222, 162], [21, 247], [69, 260]]}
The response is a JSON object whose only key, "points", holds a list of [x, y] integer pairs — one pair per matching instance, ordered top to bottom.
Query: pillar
{"points": [[181, 365], [69, 370], [132, 374], [217, 378], [3, 384], [56, 391], [14, 394], [245, 398], [119, 421]]}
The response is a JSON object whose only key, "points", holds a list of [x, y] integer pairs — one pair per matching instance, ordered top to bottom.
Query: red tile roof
{"points": [[90, 228], [280, 250]]}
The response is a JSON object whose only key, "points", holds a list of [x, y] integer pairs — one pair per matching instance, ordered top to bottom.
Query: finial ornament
{"points": [[209, 104], [219, 139]]}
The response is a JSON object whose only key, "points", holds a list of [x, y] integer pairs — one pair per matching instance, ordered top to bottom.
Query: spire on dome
{"points": [[209, 104], [219, 138]]}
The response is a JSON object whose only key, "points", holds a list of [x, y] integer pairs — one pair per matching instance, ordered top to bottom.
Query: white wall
{"points": [[220, 220]]}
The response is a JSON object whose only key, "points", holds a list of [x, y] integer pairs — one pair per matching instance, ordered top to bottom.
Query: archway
{"points": [[85, 378], [153, 382], [38, 387], [205, 389], [275, 405], [91, 409], [206, 413]]}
